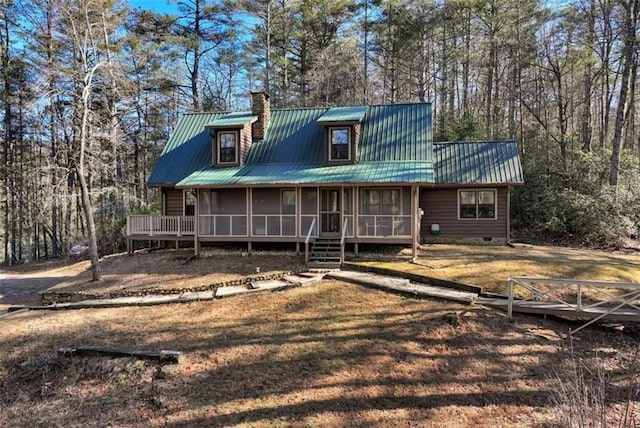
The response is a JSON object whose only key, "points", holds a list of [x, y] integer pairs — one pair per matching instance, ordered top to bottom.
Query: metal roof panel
{"points": [[344, 114], [238, 118], [479, 162], [270, 174]]}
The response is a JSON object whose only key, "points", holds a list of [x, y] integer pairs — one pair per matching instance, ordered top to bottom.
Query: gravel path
{"points": [[23, 288]]}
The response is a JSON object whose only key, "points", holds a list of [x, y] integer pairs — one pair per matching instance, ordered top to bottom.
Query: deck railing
{"points": [[153, 225], [384, 225], [312, 227], [569, 295]]}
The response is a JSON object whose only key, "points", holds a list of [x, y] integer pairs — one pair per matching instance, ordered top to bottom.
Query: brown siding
{"points": [[355, 141], [245, 142], [173, 201], [441, 206]]}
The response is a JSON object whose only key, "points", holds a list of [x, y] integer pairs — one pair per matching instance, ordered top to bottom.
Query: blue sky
{"points": [[156, 5]]}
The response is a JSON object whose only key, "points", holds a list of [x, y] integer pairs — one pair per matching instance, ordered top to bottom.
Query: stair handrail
{"points": [[342, 238], [307, 239]]}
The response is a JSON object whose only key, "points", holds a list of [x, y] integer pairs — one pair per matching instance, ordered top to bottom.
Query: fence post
{"points": [[579, 297]]}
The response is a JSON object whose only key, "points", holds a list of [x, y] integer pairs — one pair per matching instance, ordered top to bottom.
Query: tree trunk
{"points": [[628, 54]]}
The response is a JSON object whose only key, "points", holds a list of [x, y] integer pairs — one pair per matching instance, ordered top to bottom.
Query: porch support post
{"points": [[249, 192], [508, 214], [356, 215], [414, 223], [196, 226]]}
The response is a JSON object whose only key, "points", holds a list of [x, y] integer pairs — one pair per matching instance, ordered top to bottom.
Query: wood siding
{"points": [[245, 142], [173, 201], [440, 206]]}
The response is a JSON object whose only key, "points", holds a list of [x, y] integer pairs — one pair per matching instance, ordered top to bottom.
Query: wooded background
{"points": [[91, 90]]}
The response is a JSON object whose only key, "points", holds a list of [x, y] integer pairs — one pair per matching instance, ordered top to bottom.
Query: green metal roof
{"points": [[344, 114], [238, 118], [395, 146], [188, 149], [480, 162], [374, 172]]}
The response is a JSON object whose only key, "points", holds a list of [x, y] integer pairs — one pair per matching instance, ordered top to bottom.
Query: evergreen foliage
{"points": [[559, 78]]}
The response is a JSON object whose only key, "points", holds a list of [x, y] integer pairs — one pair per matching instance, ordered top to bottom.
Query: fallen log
{"points": [[163, 357]]}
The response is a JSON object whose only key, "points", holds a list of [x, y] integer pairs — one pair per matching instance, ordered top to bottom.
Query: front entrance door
{"points": [[330, 212]]}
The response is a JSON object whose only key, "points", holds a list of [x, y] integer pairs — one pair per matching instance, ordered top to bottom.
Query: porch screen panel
{"points": [[266, 201], [348, 209], [308, 210], [385, 212], [223, 225]]}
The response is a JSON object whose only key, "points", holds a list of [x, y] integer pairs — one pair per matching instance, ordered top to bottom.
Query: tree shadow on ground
{"points": [[332, 355]]}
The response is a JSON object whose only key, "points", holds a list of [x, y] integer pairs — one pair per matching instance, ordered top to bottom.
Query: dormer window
{"points": [[342, 127], [339, 142], [227, 147]]}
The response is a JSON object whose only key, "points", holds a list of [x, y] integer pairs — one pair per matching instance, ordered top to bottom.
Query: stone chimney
{"points": [[260, 107]]}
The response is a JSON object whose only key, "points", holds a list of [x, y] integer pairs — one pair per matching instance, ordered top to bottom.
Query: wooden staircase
{"points": [[325, 253]]}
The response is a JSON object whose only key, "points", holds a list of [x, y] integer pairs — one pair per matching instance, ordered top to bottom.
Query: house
{"points": [[327, 177]]}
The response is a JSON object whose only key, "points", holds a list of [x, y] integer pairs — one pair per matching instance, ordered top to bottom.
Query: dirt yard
{"points": [[491, 266], [329, 354]]}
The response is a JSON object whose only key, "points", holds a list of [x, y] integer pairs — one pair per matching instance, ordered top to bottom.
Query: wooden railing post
{"points": [[579, 297], [510, 302]]}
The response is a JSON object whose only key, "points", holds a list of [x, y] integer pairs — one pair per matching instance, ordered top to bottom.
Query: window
{"points": [[227, 147], [340, 147], [190, 200], [381, 202], [477, 204]]}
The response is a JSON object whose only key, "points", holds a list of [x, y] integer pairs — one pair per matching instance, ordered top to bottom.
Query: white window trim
{"points": [[330, 145], [218, 147], [361, 197], [495, 204]]}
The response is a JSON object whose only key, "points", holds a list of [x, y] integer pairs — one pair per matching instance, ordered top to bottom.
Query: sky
{"points": [[156, 5]]}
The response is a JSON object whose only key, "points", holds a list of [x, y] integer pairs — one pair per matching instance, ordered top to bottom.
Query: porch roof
{"points": [[477, 162], [295, 174]]}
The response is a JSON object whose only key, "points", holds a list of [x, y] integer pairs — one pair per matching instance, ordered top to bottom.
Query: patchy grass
{"points": [[491, 266], [172, 269], [330, 354]]}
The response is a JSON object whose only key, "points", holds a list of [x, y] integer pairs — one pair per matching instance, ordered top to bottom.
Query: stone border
{"points": [[53, 297]]}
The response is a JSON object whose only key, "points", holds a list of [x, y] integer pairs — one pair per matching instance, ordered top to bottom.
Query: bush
{"points": [[577, 207]]}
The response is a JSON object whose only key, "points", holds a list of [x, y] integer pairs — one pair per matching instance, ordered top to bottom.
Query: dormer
{"points": [[342, 133], [231, 138]]}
